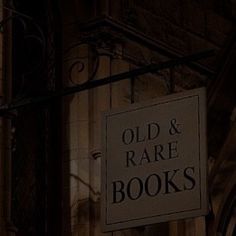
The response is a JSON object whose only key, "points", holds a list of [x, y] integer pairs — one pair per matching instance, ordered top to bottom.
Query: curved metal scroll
{"points": [[82, 62]]}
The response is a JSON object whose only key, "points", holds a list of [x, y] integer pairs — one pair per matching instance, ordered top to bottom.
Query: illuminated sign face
{"points": [[154, 161]]}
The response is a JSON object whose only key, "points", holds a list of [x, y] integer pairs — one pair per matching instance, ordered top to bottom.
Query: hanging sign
{"points": [[154, 161]]}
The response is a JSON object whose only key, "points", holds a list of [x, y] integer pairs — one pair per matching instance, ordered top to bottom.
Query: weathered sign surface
{"points": [[154, 161]]}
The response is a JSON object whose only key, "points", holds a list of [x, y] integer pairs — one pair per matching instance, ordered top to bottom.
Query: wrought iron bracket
{"points": [[4, 109]]}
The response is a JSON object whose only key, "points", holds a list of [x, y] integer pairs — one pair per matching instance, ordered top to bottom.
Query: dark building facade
{"points": [[54, 57]]}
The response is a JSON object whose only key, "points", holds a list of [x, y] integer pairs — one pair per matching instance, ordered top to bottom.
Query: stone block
{"points": [[171, 10], [193, 15], [217, 28], [77, 134]]}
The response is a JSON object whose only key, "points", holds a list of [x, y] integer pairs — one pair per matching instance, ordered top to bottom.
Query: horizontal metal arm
{"points": [[103, 81]]}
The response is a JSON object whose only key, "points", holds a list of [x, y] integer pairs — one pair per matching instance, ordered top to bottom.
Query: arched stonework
{"points": [[222, 149], [223, 182]]}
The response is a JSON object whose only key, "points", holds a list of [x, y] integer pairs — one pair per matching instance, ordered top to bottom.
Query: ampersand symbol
{"points": [[174, 129]]}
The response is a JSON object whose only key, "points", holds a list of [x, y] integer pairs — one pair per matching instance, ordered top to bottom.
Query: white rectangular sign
{"points": [[154, 161]]}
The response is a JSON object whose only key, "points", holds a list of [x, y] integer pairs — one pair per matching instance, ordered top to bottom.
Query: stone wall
{"points": [[182, 27]]}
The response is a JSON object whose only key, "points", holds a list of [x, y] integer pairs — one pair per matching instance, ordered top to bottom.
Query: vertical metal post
{"points": [[172, 80]]}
